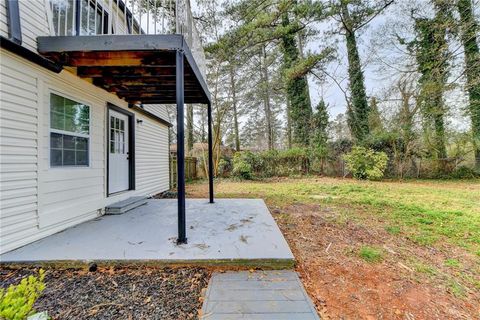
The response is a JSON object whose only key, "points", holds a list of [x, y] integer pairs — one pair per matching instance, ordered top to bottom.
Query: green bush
{"points": [[365, 163], [242, 168], [464, 172], [16, 302]]}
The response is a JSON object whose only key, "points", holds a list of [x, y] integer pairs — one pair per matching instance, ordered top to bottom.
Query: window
{"points": [[93, 18], [91, 23], [69, 132], [117, 135]]}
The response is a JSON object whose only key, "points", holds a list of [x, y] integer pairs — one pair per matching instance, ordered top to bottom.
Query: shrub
{"points": [[293, 161], [365, 163], [241, 165], [224, 166], [464, 172], [16, 302]]}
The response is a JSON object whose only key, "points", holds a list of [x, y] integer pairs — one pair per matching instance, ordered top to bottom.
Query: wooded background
{"points": [[268, 59]]}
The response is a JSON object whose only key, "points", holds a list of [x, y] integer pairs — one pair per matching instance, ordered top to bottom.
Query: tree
{"points": [[354, 15], [273, 23], [469, 32], [431, 51], [266, 98], [234, 107], [300, 109], [374, 118], [319, 127], [189, 128]]}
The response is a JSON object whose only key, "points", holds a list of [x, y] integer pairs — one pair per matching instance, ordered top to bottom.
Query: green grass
{"points": [[425, 212], [394, 230], [370, 254], [454, 263], [424, 268], [456, 288]]}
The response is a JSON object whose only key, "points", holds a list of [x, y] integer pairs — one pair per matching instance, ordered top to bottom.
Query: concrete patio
{"points": [[228, 232]]}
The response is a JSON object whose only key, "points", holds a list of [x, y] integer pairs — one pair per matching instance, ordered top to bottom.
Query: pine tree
{"points": [[300, 110], [319, 135]]}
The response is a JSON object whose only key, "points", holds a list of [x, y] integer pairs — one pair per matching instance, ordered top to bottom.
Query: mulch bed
{"points": [[122, 293]]}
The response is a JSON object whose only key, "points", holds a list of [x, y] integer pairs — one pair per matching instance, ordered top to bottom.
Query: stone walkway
{"points": [[256, 295]]}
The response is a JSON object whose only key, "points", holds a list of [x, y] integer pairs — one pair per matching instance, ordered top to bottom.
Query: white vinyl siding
{"points": [[3, 20], [34, 20], [34, 23], [160, 110], [19, 150], [151, 153], [37, 200]]}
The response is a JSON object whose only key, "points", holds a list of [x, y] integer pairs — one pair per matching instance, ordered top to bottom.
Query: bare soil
{"points": [[410, 282], [346, 287], [142, 293]]}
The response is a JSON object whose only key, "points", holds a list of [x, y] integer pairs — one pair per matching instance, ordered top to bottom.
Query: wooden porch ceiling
{"points": [[137, 68]]}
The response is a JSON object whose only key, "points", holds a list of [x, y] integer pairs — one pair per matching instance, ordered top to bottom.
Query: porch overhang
{"points": [[140, 69]]}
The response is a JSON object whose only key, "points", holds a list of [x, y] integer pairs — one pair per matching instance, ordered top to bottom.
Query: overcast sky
{"points": [[374, 81]]}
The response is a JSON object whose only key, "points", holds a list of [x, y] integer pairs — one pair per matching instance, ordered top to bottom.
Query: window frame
{"points": [[100, 10], [75, 18], [69, 133], [131, 148]]}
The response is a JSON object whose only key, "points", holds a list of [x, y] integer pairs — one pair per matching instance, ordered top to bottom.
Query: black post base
{"points": [[184, 241]]}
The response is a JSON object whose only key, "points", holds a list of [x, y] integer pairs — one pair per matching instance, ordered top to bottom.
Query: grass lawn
{"points": [[423, 211], [377, 249]]}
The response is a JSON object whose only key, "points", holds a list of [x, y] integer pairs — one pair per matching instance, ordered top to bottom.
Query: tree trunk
{"points": [[433, 64], [472, 69], [297, 91], [266, 97], [234, 107], [360, 110], [203, 124], [439, 124], [289, 126], [189, 128]]}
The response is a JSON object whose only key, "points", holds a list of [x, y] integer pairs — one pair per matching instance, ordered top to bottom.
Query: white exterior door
{"points": [[118, 161]]}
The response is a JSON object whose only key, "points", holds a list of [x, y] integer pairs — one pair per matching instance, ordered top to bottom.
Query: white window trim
{"points": [[81, 135]]}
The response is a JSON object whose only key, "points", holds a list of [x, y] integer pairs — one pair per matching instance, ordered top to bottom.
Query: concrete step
{"points": [[125, 205], [262, 295]]}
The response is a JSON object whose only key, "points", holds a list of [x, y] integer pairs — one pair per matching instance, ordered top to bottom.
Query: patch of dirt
{"points": [[344, 286], [142, 293]]}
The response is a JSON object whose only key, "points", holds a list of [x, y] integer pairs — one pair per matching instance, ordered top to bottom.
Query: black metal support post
{"points": [[78, 9], [210, 153], [182, 233]]}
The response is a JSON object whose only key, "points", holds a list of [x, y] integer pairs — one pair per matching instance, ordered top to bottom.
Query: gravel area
{"points": [[125, 293]]}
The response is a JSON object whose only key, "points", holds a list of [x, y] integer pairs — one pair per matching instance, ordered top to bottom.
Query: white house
{"points": [[71, 142]]}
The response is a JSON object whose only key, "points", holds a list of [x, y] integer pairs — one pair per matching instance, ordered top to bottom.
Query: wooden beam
{"points": [[119, 51], [113, 58], [144, 71], [138, 81], [146, 87], [140, 96], [168, 100]]}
